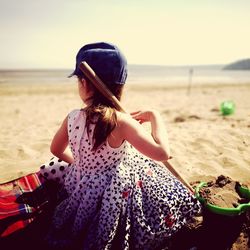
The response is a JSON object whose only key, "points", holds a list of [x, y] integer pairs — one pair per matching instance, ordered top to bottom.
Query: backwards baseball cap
{"points": [[105, 59]]}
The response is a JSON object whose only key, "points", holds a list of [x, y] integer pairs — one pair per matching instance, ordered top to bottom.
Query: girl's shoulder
{"points": [[75, 112], [75, 117], [123, 118], [125, 121], [127, 126], [116, 138]]}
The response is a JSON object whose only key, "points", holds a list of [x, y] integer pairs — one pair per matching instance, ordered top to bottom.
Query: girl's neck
{"points": [[88, 101]]}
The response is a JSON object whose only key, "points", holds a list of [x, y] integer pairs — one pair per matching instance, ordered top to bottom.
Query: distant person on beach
{"points": [[114, 194]]}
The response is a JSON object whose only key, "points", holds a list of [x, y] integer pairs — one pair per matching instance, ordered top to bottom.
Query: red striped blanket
{"points": [[16, 211]]}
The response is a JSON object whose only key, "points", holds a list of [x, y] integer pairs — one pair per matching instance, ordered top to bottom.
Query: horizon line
{"points": [[131, 64]]}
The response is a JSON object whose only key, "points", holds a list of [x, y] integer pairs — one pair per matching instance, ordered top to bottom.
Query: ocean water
{"points": [[138, 74], [211, 74]]}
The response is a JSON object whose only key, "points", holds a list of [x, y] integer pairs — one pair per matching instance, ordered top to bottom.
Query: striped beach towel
{"points": [[18, 208]]}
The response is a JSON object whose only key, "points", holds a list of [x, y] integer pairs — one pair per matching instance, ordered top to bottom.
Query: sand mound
{"points": [[222, 192]]}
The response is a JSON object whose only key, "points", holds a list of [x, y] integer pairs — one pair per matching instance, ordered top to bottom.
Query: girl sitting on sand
{"points": [[114, 195]]}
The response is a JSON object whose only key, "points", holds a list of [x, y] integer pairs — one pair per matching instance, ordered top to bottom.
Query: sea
{"points": [[137, 74]]}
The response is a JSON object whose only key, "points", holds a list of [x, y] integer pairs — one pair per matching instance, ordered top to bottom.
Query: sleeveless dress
{"points": [[115, 198]]}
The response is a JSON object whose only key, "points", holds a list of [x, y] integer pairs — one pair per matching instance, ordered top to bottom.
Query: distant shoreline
{"points": [[129, 66], [137, 74]]}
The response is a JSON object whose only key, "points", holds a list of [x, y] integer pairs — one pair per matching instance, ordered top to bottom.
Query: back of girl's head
{"points": [[110, 65]]}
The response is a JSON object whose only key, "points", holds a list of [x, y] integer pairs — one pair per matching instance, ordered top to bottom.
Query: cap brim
{"points": [[72, 74]]}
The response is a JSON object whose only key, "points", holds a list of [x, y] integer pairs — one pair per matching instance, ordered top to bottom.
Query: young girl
{"points": [[114, 195]]}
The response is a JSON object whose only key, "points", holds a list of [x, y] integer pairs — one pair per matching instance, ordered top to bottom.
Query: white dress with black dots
{"points": [[115, 198]]}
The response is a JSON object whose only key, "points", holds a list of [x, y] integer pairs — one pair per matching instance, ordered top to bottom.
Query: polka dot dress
{"points": [[114, 198]]}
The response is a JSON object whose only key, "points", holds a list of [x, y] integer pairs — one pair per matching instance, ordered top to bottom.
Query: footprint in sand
{"points": [[214, 110], [196, 117], [179, 119], [183, 119]]}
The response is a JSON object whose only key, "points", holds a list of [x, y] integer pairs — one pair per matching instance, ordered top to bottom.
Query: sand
{"points": [[204, 144], [222, 193]]}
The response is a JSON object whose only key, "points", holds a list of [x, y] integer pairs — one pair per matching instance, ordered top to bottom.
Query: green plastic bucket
{"points": [[243, 192]]}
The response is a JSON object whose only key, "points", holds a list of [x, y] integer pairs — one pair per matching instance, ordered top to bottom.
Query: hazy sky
{"points": [[48, 33]]}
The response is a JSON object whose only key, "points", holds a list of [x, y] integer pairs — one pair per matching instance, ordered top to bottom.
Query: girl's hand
{"points": [[143, 116], [154, 145]]}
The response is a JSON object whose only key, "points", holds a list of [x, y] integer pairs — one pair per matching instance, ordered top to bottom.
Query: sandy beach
{"points": [[204, 143]]}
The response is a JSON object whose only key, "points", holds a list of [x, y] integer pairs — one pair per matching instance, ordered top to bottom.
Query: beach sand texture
{"points": [[204, 144]]}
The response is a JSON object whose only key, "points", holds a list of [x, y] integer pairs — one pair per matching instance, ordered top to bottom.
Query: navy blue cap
{"points": [[105, 59]]}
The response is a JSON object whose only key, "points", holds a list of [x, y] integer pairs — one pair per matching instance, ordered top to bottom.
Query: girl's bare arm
{"points": [[60, 143], [155, 145]]}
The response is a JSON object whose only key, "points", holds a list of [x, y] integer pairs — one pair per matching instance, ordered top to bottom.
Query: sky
{"points": [[49, 33]]}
